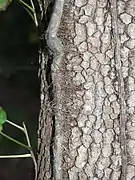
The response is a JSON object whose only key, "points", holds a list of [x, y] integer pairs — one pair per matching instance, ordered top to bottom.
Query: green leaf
{"points": [[4, 4], [3, 116], [1, 128]]}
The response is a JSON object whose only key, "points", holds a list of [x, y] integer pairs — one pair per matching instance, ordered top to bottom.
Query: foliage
{"points": [[4, 4], [30, 9], [3, 118]]}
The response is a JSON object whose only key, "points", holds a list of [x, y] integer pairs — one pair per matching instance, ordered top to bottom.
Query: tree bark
{"points": [[93, 90]]}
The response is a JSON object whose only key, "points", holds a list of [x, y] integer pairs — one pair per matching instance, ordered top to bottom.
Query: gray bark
{"points": [[94, 90]]}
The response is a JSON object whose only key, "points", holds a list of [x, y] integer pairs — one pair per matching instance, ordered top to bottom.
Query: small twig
{"points": [[32, 9], [34, 13], [15, 125], [15, 141], [32, 154], [15, 156]]}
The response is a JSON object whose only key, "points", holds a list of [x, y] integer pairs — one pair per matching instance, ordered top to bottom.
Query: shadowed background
{"points": [[19, 87]]}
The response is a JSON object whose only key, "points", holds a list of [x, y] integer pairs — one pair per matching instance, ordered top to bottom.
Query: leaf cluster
{"points": [[3, 117]]}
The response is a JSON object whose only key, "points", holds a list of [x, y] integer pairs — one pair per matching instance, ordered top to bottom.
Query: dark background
{"points": [[19, 87]]}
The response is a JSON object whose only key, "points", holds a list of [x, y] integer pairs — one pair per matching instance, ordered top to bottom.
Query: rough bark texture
{"points": [[94, 82], [45, 127]]}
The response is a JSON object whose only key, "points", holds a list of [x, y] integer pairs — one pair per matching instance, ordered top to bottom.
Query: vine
{"points": [[29, 8], [44, 9], [3, 116], [3, 120]]}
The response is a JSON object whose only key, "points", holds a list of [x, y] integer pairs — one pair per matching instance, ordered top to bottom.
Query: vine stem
{"points": [[34, 13], [55, 44], [15, 125], [24, 129], [15, 141], [31, 152], [15, 156]]}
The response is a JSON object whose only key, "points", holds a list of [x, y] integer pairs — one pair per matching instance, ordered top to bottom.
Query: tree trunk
{"points": [[92, 121]]}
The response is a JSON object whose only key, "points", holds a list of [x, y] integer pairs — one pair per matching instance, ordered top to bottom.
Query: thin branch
{"points": [[29, 7], [34, 13], [15, 125], [15, 141], [32, 154], [15, 156]]}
